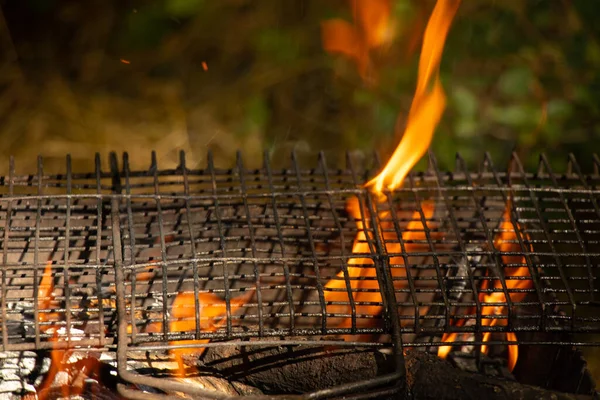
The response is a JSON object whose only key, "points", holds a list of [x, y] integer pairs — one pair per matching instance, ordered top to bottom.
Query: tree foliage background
{"points": [[97, 75]]}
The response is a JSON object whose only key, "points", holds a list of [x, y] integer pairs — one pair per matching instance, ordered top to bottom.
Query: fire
{"points": [[373, 29], [428, 102], [514, 270], [361, 271], [45, 298], [212, 309], [213, 312], [59, 358]]}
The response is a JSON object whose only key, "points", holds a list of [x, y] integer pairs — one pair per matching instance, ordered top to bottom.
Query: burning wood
{"points": [[515, 269]]}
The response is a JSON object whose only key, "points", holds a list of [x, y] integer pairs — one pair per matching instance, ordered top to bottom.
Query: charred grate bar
{"points": [[173, 266]]}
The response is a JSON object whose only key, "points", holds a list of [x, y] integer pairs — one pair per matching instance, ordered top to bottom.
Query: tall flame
{"points": [[428, 102], [514, 269], [361, 271]]}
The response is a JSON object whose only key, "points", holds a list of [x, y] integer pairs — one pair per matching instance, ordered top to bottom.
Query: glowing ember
{"points": [[373, 29], [428, 103], [514, 268], [361, 271]]}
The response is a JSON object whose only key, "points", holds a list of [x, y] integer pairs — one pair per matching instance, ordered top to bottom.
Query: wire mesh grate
{"points": [[162, 259]]}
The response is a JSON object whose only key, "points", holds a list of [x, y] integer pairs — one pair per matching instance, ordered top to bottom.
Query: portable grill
{"points": [[121, 245]]}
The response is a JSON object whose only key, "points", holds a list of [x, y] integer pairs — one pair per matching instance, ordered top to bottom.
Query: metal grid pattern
{"points": [[255, 253]]}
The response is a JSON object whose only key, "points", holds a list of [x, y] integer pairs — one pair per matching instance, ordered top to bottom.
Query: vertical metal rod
{"points": [[302, 195], [188, 212], [364, 216], [514, 218], [7, 222], [454, 224], [338, 225], [131, 233], [222, 240], [549, 240], [490, 241], [163, 247], [432, 249], [36, 251], [67, 252], [405, 258], [588, 262], [286, 269], [99, 270], [257, 283], [386, 285], [122, 337]]}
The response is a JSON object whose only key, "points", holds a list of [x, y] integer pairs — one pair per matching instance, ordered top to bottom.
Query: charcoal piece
{"points": [[494, 367], [16, 368], [294, 369], [429, 377]]}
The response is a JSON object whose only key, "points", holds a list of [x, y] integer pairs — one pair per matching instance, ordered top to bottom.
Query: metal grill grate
{"points": [[125, 244]]}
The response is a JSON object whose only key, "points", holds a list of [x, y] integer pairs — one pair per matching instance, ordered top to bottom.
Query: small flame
{"points": [[373, 29], [428, 103], [504, 242], [363, 278], [45, 297], [213, 312], [59, 358]]}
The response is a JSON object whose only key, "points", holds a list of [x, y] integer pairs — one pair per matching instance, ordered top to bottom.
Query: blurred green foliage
{"points": [[519, 75]]}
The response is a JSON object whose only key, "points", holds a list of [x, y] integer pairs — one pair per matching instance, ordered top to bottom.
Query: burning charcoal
{"points": [[294, 369], [15, 370]]}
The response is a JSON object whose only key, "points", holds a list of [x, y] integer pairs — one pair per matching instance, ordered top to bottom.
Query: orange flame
{"points": [[373, 29], [428, 103], [504, 242], [362, 277], [45, 297], [212, 313], [59, 358]]}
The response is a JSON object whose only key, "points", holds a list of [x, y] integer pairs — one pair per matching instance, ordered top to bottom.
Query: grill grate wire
{"points": [[281, 235]]}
